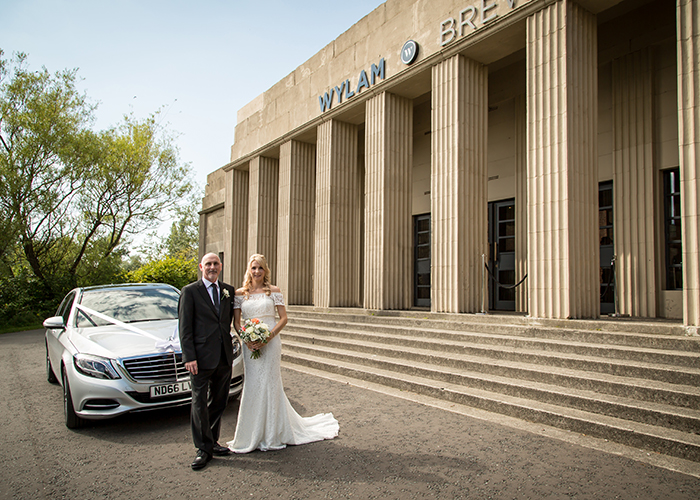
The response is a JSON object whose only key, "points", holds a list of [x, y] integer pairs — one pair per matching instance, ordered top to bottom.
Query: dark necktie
{"points": [[215, 293]]}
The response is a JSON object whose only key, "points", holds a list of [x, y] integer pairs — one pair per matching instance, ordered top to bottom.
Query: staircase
{"points": [[630, 382]]}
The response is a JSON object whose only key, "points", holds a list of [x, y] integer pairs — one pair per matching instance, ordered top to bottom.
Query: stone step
{"points": [[658, 328], [661, 335], [450, 338], [526, 352], [632, 382], [682, 395], [618, 403], [660, 439]]}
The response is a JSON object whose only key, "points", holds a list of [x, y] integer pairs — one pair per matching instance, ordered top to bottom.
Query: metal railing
{"points": [[485, 270]]}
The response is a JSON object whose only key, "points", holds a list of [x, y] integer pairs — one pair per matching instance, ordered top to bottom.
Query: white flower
{"points": [[225, 294], [253, 330]]}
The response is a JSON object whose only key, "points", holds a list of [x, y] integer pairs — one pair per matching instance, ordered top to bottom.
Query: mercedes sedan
{"points": [[115, 349]]}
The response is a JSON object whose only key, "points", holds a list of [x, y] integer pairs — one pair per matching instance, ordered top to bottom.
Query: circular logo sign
{"points": [[409, 52]]}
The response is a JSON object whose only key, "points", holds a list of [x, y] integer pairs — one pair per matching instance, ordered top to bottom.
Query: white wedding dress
{"points": [[266, 419]]}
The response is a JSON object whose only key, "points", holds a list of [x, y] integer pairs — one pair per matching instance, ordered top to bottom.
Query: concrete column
{"points": [[688, 32], [562, 104], [520, 133], [458, 184], [633, 184], [388, 221], [262, 222], [236, 227], [295, 229], [337, 230], [202, 238]]}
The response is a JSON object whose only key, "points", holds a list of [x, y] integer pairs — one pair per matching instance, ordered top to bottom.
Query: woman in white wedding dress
{"points": [[266, 419]]}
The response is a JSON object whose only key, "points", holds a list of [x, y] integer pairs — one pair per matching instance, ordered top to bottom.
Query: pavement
{"points": [[391, 446]]}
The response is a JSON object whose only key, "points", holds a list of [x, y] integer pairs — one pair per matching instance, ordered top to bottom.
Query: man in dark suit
{"points": [[205, 314]]}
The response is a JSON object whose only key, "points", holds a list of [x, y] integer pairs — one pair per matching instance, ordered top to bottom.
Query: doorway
{"points": [[607, 247], [502, 255], [421, 260]]}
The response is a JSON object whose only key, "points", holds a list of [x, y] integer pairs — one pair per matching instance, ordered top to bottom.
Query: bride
{"points": [[266, 419]]}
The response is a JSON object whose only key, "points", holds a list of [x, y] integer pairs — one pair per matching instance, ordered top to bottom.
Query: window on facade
{"points": [[605, 214], [672, 226], [607, 247]]}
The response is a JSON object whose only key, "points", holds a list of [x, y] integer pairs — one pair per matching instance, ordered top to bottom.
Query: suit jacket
{"points": [[203, 332]]}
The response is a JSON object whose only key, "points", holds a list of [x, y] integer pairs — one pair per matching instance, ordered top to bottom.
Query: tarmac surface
{"points": [[389, 447]]}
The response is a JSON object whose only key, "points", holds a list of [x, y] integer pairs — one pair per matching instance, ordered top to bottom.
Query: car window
{"points": [[128, 305], [64, 308]]}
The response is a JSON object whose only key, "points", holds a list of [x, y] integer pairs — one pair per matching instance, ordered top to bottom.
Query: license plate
{"points": [[159, 391]]}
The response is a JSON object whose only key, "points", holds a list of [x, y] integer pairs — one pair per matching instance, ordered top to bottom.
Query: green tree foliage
{"points": [[44, 143], [71, 198], [183, 240], [173, 260], [175, 271], [23, 301]]}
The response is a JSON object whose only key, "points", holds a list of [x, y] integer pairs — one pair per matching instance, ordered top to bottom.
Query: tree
{"points": [[44, 139], [136, 181], [69, 197], [183, 240], [172, 260], [175, 271]]}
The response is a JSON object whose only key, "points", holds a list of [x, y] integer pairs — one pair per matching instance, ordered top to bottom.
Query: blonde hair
{"points": [[248, 279]]}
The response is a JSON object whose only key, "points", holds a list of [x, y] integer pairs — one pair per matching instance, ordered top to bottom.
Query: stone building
{"points": [[440, 152]]}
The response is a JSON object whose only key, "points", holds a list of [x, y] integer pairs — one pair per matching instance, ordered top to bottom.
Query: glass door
{"points": [[607, 248], [502, 255], [421, 264]]}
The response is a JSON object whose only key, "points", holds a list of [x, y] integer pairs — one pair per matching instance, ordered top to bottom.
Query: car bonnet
{"points": [[118, 342]]}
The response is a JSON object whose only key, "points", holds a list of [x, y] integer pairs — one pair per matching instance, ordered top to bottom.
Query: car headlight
{"points": [[236, 348], [95, 366]]}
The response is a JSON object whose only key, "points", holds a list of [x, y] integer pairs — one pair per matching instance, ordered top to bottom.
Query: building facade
{"points": [[465, 156]]}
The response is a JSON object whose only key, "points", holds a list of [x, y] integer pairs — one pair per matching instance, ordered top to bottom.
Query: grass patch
{"points": [[13, 329]]}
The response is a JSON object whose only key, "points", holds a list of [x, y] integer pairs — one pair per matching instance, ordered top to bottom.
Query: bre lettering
{"points": [[471, 18]]}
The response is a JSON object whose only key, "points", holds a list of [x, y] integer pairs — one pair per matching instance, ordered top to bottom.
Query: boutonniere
{"points": [[225, 294]]}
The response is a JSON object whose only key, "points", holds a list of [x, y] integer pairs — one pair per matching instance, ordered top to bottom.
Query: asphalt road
{"points": [[388, 448]]}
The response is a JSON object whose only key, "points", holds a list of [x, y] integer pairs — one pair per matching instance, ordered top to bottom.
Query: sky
{"points": [[198, 61]]}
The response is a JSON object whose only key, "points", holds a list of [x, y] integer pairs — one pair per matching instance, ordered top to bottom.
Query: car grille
{"points": [[165, 367], [144, 397]]}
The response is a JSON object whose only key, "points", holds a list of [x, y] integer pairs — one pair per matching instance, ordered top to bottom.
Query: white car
{"points": [[115, 349]]}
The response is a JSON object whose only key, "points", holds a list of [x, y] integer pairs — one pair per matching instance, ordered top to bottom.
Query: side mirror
{"points": [[55, 322]]}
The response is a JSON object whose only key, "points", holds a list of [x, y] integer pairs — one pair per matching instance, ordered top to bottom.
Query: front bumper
{"points": [[96, 399]]}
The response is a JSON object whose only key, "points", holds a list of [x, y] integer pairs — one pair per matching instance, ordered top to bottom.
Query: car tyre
{"points": [[50, 375], [73, 421]]}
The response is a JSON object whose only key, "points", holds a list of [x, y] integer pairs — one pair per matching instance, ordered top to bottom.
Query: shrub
{"points": [[177, 272], [24, 301]]}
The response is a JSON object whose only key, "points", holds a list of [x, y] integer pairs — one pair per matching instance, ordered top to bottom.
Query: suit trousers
{"points": [[206, 411]]}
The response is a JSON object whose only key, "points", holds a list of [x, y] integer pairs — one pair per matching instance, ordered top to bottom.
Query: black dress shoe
{"points": [[221, 451], [201, 460]]}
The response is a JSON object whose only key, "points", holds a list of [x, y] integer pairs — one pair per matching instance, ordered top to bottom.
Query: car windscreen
{"points": [[128, 305]]}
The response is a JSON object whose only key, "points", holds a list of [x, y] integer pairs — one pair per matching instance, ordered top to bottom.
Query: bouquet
{"points": [[254, 330]]}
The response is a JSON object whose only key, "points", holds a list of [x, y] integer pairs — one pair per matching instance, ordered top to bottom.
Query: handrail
{"points": [[507, 287]]}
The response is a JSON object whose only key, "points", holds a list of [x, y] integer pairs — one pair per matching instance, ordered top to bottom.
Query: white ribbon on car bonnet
{"points": [[172, 343]]}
